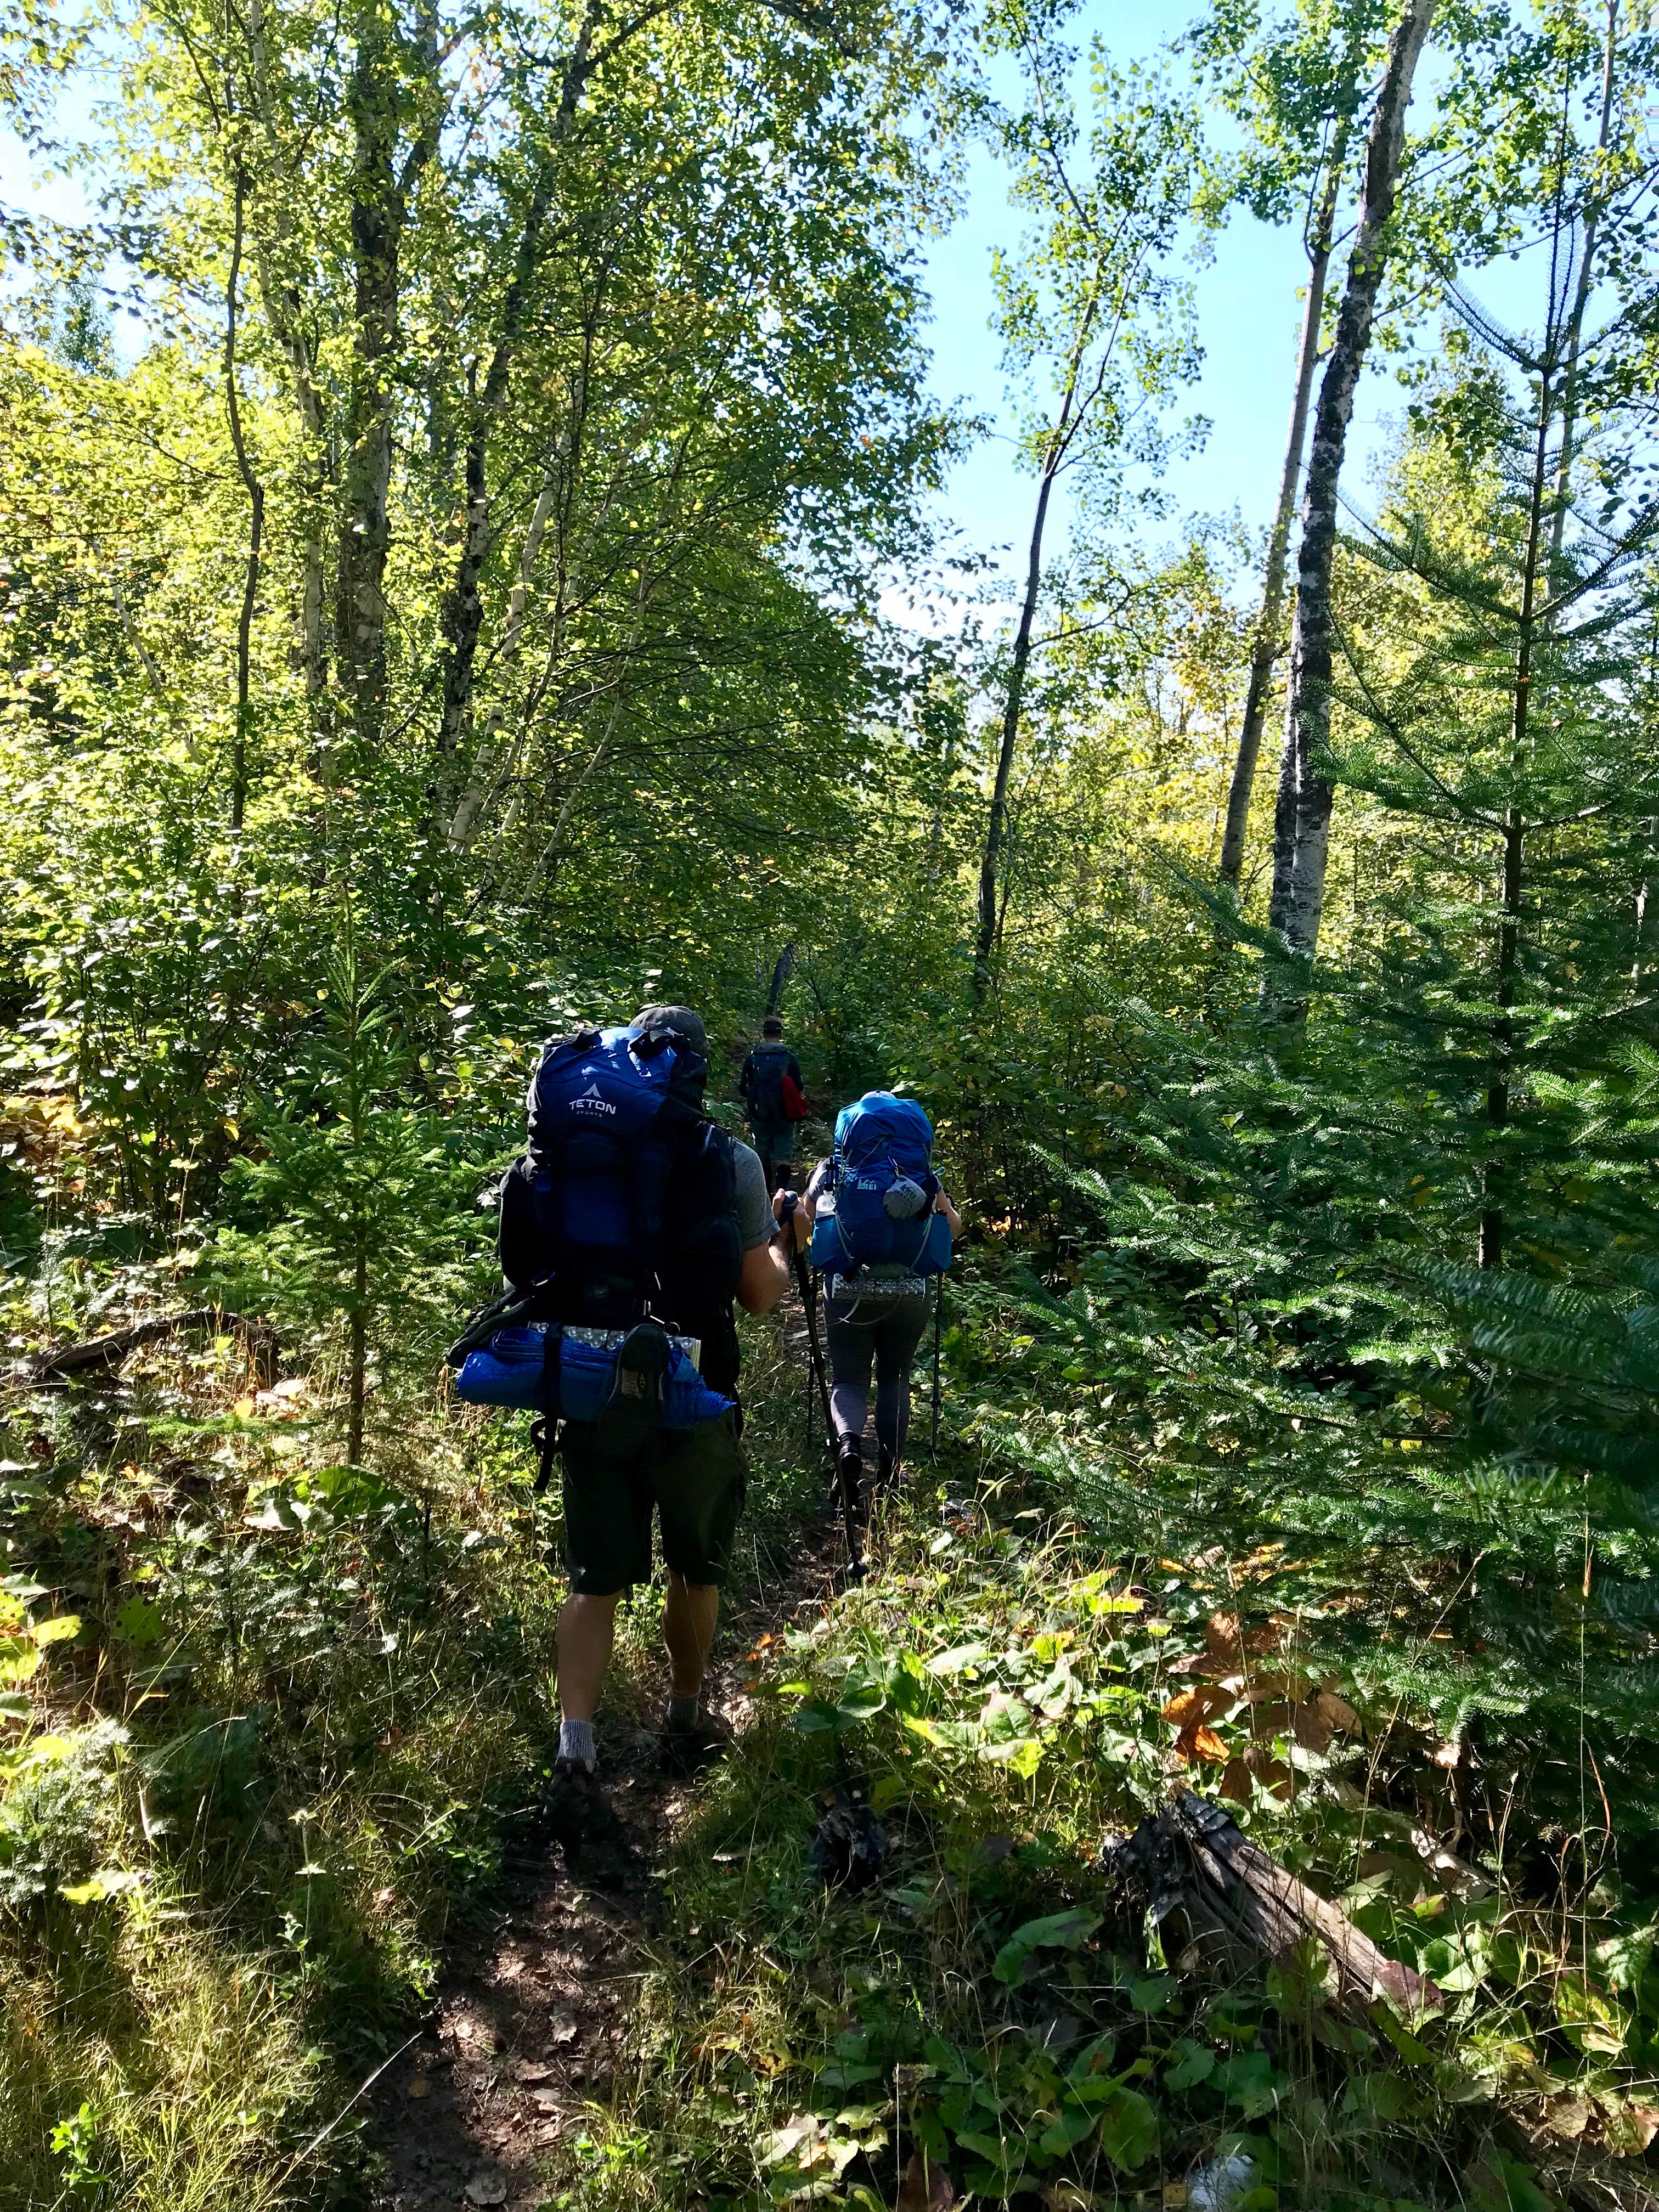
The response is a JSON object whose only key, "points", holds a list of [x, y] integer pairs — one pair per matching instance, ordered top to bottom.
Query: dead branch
{"points": [[107, 1352], [1215, 1895]]}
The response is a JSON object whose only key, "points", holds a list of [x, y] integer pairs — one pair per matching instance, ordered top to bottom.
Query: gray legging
{"points": [[888, 1331]]}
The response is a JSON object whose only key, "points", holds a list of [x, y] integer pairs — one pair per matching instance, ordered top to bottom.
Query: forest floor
{"points": [[315, 1903], [535, 2011]]}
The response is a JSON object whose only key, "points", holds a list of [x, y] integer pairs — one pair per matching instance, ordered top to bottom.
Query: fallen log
{"points": [[96, 1353], [1220, 1896]]}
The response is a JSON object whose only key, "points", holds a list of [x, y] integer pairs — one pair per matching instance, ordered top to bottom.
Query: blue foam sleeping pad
{"points": [[514, 1370]]}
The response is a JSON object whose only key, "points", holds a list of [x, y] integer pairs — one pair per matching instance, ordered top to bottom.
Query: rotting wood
{"points": [[103, 1352], [1219, 1894]]}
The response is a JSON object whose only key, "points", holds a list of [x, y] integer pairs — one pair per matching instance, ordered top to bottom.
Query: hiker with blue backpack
{"points": [[628, 1229], [883, 1230]]}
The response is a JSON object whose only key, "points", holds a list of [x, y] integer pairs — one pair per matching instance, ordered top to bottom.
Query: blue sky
{"points": [[1249, 318]]}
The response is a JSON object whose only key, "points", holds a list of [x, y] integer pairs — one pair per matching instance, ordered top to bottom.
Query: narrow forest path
{"points": [[534, 2010]]}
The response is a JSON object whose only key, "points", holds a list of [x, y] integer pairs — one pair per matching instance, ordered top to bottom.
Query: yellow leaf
{"points": [[58, 1630]]}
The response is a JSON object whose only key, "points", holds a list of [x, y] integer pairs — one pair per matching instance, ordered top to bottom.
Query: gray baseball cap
{"points": [[672, 1021]]}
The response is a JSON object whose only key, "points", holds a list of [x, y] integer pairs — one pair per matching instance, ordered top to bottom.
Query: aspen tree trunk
{"points": [[377, 102], [280, 296], [1576, 325], [256, 495], [365, 535], [462, 615], [1267, 647], [480, 780], [1303, 818], [996, 827]]}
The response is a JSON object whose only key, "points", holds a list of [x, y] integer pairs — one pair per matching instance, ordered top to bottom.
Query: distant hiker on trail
{"points": [[772, 1090], [633, 1221], [882, 1227]]}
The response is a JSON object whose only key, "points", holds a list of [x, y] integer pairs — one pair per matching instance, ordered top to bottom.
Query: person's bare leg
{"points": [[690, 1616], [587, 1628]]}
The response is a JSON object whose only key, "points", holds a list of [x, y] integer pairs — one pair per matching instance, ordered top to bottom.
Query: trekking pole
{"points": [[939, 1330], [850, 1500]]}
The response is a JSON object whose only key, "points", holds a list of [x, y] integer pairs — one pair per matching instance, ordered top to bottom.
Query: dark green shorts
{"points": [[619, 1472]]}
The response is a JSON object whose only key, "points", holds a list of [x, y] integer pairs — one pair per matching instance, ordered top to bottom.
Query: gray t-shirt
{"points": [[754, 1206]]}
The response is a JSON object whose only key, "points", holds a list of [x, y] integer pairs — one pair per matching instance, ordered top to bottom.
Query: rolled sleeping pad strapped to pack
{"points": [[830, 1255], [575, 1374]]}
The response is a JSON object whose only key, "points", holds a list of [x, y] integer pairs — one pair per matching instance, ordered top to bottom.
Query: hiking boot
{"points": [[849, 1470], [887, 1471], [686, 1749], [580, 1818]]}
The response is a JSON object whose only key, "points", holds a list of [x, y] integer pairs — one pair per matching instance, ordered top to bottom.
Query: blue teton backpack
{"points": [[625, 1203], [877, 1213]]}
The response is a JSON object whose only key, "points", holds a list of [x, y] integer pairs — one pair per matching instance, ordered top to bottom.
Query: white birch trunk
{"points": [[1302, 823]]}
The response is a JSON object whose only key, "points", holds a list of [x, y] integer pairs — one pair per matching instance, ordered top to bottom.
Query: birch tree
{"points": [[1296, 90], [1092, 307], [1301, 819]]}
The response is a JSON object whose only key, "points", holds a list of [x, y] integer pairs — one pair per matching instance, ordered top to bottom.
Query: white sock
{"points": [[576, 1743]]}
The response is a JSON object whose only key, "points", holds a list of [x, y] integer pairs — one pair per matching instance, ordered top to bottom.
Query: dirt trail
{"points": [[532, 2014]]}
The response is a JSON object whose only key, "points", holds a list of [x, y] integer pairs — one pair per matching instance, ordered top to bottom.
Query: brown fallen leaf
{"points": [[1221, 1637], [1279, 1686], [1187, 1708], [1339, 1713], [1270, 1718], [1311, 1726], [1200, 1742], [1271, 1773], [1236, 1782], [1568, 2117], [1630, 2128], [925, 2186]]}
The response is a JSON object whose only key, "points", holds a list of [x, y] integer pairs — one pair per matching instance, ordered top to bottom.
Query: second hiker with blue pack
{"points": [[628, 1229], [883, 1229]]}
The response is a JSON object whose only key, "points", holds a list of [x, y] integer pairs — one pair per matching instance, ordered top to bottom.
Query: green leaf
{"points": [[138, 1621], [19, 1657], [108, 1882], [1061, 1931], [1152, 1995], [1194, 2065], [841, 2074], [1074, 2123], [1129, 2129]]}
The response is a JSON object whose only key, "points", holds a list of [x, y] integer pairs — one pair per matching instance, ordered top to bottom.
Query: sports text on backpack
{"points": [[877, 1211]]}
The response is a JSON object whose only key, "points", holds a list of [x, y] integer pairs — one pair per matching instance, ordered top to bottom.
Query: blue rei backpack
{"points": [[876, 1210]]}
